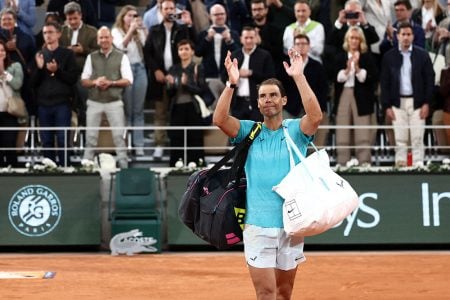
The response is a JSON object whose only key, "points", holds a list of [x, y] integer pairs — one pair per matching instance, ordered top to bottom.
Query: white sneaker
{"points": [[139, 151], [158, 153]]}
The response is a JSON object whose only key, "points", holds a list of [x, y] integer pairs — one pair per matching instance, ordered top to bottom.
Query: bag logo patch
{"points": [[292, 210]]}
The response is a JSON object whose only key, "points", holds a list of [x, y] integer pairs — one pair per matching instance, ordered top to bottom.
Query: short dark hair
{"points": [[258, 2], [406, 3], [56, 25], [404, 25], [248, 28], [302, 36], [185, 42], [274, 81]]}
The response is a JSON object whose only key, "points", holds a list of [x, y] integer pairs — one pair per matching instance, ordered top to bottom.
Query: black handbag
{"points": [[213, 206]]}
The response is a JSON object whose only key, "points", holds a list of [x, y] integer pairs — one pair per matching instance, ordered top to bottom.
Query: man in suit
{"points": [[87, 7], [402, 14], [351, 15], [268, 36], [81, 38], [213, 45], [255, 65], [315, 74], [407, 82]]}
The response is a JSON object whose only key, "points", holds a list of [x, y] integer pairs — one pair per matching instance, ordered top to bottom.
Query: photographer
{"points": [[351, 15], [213, 45]]}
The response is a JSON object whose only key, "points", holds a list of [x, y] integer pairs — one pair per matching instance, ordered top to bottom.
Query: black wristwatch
{"points": [[230, 85]]}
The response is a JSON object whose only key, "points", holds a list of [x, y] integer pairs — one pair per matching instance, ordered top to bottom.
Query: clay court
{"points": [[223, 275]]}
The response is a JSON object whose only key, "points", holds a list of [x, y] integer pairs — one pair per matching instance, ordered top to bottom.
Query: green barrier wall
{"points": [[394, 208], [59, 209]]}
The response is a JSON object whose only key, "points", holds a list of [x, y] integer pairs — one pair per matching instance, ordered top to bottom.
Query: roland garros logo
{"points": [[34, 210]]}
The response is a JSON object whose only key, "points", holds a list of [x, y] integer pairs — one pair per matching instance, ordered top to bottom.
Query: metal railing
{"points": [[382, 149]]}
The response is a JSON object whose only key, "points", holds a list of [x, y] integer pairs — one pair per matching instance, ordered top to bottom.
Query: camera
{"points": [[352, 15], [174, 17], [219, 30]]}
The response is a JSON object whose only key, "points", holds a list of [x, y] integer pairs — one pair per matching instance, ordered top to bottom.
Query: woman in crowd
{"points": [[129, 35], [19, 45], [21, 48], [11, 80], [184, 81], [354, 97]]}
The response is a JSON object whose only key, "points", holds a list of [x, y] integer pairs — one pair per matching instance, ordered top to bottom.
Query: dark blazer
{"points": [[87, 10], [337, 36], [87, 38], [419, 38], [25, 45], [205, 49], [154, 52], [262, 67], [315, 75], [422, 77], [364, 91]]}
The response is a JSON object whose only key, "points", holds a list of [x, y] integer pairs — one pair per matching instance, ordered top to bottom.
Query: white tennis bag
{"points": [[315, 197]]}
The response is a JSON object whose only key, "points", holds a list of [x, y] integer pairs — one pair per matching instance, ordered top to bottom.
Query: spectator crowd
{"points": [[369, 62]]}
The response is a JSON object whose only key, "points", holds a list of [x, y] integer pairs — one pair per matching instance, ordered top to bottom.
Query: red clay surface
{"points": [[214, 275]]}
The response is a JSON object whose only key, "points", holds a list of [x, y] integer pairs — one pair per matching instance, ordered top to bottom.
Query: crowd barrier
{"points": [[30, 149]]}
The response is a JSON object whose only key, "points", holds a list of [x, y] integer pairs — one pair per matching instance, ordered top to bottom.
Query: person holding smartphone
{"points": [[351, 15], [129, 35], [81, 38], [213, 45]]}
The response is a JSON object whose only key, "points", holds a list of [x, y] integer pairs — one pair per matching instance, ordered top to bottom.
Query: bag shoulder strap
{"points": [[291, 146], [238, 150]]}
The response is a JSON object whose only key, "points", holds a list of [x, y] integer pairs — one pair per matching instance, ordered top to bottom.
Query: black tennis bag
{"points": [[213, 206]]}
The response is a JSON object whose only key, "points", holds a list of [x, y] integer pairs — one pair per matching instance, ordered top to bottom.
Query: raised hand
{"points": [[231, 65], [296, 67]]}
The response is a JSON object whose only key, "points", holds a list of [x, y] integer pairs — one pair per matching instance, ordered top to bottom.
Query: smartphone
{"points": [[352, 15], [174, 17], [219, 29]]}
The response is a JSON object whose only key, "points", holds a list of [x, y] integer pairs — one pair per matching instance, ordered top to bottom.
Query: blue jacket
{"points": [[419, 38], [422, 77]]}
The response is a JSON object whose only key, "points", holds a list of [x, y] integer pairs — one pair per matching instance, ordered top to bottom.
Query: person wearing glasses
{"points": [[403, 11], [213, 45], [315, 74], [53, 78]]}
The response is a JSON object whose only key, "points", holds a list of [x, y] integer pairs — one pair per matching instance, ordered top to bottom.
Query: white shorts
{"points": [[272, 248]]}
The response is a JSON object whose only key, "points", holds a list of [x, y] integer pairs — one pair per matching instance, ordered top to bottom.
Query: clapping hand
{"points": [[52, 66], [296, 67]]}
